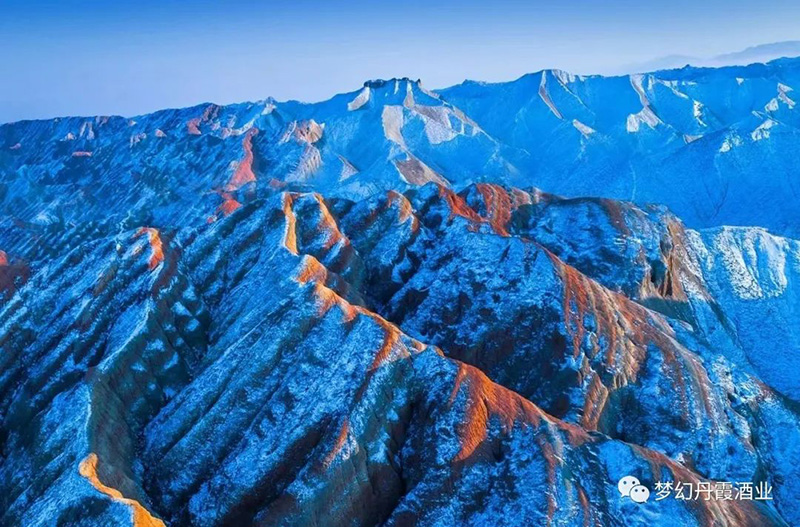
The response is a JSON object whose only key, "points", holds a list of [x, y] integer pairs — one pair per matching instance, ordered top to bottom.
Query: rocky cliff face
{"points": [[247, 317]]}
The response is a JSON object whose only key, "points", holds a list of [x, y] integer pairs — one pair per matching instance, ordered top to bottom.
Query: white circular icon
{"points": [[626, 484], [640, 494]]}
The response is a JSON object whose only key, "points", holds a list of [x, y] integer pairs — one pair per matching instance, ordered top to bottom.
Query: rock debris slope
{"points": [[363, 312]]}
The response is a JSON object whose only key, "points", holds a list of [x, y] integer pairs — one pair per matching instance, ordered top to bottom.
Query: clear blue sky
{"points": [[118, 57]]}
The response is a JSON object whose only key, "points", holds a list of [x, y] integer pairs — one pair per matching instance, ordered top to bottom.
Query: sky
{"points": [[95, 57]]}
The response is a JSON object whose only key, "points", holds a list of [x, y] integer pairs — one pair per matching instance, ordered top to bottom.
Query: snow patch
{"points": [[637, 82], [783, 90], [546, 97], [361, 99], [408, 102], [774, 104], [269, 107], [697, 112], [645, 116], [392, 120], [438, 126], [87, 130], [241, 130], [763, 130], [586, 131], [137, 138], [729, 143], [348, 170], [415, 172]]}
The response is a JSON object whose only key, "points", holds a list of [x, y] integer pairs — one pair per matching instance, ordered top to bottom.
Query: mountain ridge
{"points": [[380, 82], [667, 137], [298, 301], [406, 307]]}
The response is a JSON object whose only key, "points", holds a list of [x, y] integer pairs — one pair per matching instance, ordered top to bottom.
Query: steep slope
{"points": [[755, 277], [234, 374]]}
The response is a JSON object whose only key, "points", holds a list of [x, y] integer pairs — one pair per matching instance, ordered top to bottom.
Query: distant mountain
{"points": [[761, 53], [754, 54], [661, 63], [712, 144], [404, 307]]}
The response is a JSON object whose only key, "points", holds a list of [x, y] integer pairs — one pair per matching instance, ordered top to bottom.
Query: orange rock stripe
{"points": [[141, 516]]}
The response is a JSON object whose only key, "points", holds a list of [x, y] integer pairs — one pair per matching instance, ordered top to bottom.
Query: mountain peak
{"points": [[381, 83]]}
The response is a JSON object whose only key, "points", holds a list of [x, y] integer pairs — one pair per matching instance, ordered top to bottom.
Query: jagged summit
{"points": [[380, 83]]}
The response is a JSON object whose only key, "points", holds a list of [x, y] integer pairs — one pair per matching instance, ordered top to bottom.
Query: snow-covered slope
{"points": [[712, 144], [715, 145], [755, 278], [364, 311], [407, 358]]}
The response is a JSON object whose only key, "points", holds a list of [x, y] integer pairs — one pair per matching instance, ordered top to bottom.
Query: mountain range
{"points": [[753, 54], [483, 305]]}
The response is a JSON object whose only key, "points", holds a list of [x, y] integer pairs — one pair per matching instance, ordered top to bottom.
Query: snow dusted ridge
{"points": [[269, 300], [364, 311]]}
